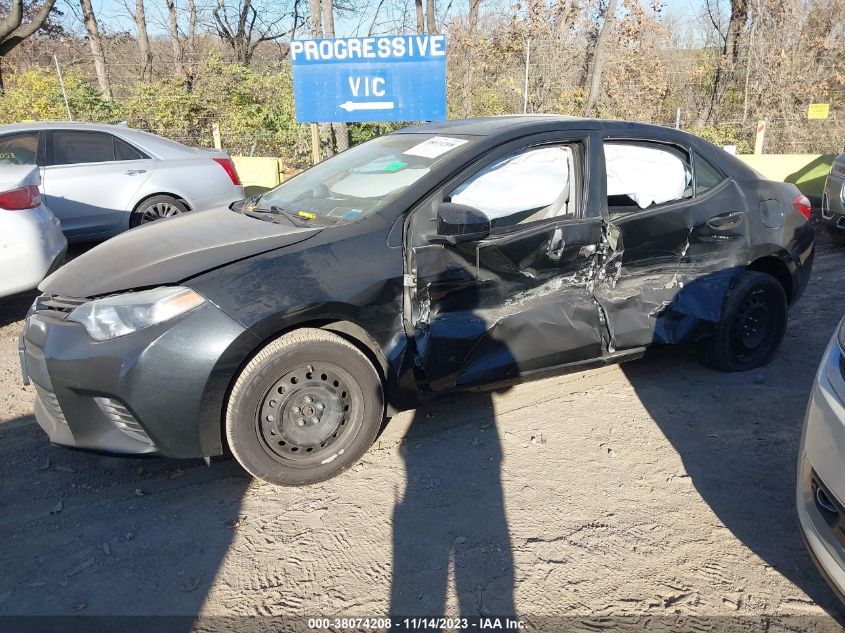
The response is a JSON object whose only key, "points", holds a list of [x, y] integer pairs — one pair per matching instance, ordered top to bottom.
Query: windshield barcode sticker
{"points": [[434, 147]]}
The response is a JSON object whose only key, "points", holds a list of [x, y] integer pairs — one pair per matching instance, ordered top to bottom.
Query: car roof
{"points": [[525, 123], [498, 129], [157, 145]]}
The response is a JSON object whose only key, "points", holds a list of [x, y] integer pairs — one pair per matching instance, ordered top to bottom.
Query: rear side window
{"points": [[74, 147], [19, 149], [124, 151], [642, 175], [706, 176]]}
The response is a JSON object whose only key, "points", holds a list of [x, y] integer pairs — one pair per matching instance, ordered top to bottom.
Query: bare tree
{"points": [[418, 5], [431, 16], [246, 26], [13, 30], [143, 41], [96, 43], [183, 45], [730, 54], [469, 57], [598, 57], [341, 131]]}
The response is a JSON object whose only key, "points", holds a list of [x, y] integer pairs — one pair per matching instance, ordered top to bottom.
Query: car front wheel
{"points": [[752, 326], [305, 408]]}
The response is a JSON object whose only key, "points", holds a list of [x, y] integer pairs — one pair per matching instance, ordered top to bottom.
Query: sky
{"points": [[113, 13]]}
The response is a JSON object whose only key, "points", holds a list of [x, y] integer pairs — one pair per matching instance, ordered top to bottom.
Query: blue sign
{"points": [[387, 78]]}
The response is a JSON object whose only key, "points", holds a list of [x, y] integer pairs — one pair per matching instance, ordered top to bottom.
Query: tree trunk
{"points": [[431, 16], [316, 19], [420, 19], [173, 28], [143, 41], [96, 47], [599, 53], [469, 57], [727, 63], [190, 64], [325, 129], [341, 131]]}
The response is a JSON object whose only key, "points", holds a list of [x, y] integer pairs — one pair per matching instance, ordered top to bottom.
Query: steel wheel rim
{"points": [[158, 211], [753, 327], [306, 415]]}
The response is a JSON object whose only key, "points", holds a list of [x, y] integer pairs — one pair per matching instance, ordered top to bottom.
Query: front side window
{"points": [[73, 147], [19, 149], [642, 175], [359, 181], [528, 186]]}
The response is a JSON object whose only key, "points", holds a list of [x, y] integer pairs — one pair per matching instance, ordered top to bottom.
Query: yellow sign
{"points": [[818, 110]]}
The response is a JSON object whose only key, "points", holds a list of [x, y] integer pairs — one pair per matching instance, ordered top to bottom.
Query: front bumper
{"points": [[157, 390], [820, 488]]}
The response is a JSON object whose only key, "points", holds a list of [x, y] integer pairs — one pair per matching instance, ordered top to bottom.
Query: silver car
{"points": [[100, 180], [833, 201], [31, 240], [821, 466]]}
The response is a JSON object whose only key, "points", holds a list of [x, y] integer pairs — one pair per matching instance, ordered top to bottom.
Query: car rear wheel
{"points": [[156, 208], [752, 326], [305, 408]]}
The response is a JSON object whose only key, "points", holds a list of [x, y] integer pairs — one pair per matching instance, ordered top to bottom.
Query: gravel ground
{"points": [[656, 488]]}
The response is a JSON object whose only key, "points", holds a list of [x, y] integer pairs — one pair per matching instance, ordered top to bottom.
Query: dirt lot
{"points": [[657, 488]]}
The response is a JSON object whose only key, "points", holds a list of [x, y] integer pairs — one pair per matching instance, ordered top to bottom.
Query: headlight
{"points": [[842, 194], [122, 314], [840, 335]]}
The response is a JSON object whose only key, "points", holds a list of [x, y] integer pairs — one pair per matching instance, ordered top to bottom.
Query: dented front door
{"points": [[485, 312]]}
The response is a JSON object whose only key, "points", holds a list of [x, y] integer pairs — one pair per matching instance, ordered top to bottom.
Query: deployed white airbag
{"points": [[646, 174], [529, 180]]}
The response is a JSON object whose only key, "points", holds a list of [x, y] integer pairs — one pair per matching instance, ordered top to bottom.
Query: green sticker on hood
{"points": [[395, 166]]}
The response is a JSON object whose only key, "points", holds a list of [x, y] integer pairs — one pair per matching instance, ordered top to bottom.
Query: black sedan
{"points": [[443, 258]]}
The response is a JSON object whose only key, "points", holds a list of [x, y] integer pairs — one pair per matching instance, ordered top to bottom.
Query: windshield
{"points": [[354, 184]]}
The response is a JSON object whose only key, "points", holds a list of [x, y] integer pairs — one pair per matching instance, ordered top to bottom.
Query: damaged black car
{"points": [[442, 258]]}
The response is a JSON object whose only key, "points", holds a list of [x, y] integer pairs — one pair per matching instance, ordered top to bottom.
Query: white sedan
{"points": [[100, 180], [31, 240]]}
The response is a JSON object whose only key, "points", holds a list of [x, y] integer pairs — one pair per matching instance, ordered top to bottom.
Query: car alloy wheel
{"points": [[160, 210]]}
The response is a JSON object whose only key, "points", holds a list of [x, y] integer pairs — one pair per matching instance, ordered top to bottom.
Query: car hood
{"points": [[170, 251]]}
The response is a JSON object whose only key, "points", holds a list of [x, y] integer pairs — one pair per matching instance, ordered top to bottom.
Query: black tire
{"points": [[156, 208], [837, 236], [753, 324], [305, 408]]}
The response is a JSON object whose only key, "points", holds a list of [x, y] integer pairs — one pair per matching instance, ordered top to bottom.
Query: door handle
{"points": [[135, 172], [725, 221]]}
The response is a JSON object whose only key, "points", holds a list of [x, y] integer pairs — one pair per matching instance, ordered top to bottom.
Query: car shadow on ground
{"points": [[738, 439], [134, 537]]}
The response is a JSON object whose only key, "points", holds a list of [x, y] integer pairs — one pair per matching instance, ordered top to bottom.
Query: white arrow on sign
{"points": [[349, 106]]}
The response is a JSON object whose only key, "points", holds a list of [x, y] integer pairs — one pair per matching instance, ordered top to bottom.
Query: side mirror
{"points": [[460, 223]]}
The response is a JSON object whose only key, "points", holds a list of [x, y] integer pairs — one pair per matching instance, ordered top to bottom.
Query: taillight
{"points": [[229, 166], [19, 199], [802, 205]]}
